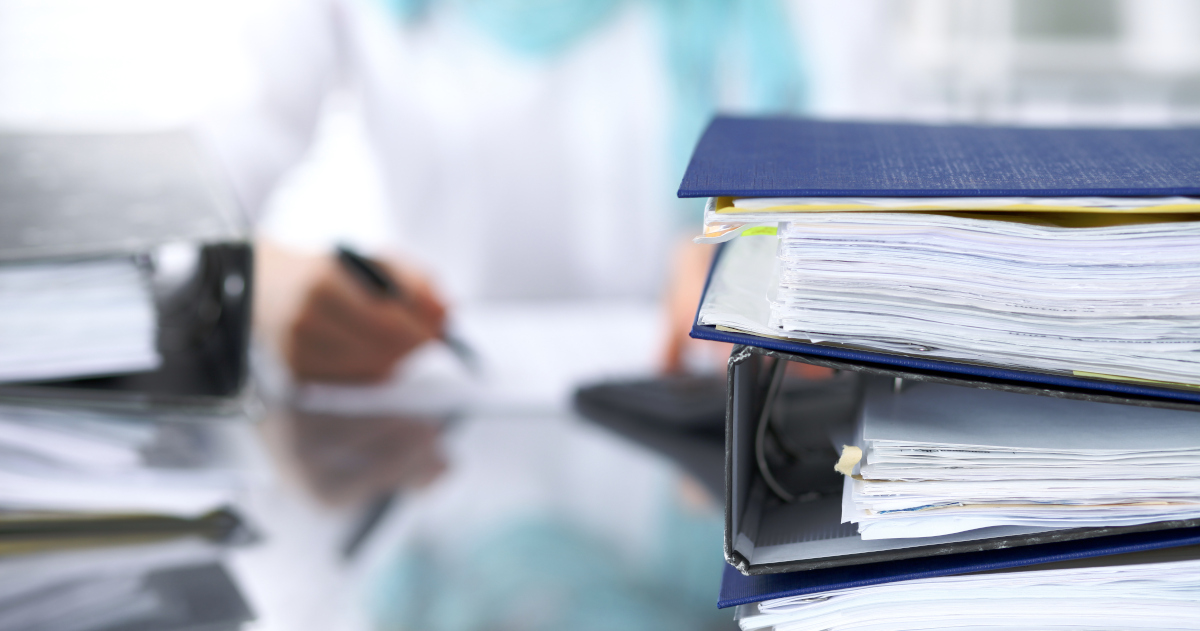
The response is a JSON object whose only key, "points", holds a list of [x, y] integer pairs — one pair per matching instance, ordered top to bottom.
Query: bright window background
{"points": [[1133, 62], [144, 63], [120, 64], [137, 64], [127, 65]]}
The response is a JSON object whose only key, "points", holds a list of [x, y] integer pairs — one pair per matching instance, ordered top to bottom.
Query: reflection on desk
{"points": [[345, 461], [538, 519], [552, 524]]}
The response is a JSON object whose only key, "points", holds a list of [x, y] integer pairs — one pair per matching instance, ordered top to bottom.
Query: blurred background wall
{"points": [[159, 62], [1105, 62], [130, 64]]}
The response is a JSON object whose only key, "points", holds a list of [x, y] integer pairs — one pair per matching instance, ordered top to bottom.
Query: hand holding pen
{"points": [[376, 279], [350, 329]]}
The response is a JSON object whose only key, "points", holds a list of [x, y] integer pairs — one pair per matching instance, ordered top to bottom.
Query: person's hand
{"points": [[328, 327], [681, 354]]}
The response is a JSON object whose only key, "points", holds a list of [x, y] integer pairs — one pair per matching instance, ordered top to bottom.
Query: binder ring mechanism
{"points": [[778, 371]]}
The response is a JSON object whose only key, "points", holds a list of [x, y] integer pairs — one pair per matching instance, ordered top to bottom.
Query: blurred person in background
{"points": [[528, 149]]}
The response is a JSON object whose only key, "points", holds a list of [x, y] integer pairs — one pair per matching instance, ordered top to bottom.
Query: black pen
{"points": [[375, 278], [367, 522]]}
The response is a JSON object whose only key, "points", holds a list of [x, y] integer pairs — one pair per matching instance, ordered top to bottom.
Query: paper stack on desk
{"points": [[1063, 251], [1054, 275], [1059, 293], [1103, 294], [75, 318], [941, 459], [89, 463], [111, 523]]}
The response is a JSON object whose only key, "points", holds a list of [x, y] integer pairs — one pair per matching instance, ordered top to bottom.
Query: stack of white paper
{"points": [[1121, 299], [73, 319], [941, 459], [66, 461], [1162, 595]]}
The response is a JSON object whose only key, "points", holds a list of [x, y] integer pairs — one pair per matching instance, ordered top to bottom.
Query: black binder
{"points": [[70, 196]]}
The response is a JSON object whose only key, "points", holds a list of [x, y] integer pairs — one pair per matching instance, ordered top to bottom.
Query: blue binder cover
{"points": [[774, 157], [971, 375], [738, 589]]}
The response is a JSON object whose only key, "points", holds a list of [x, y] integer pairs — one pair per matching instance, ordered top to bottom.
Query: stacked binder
{"points": [[1018, 309], [124, 317], [77, 318]]}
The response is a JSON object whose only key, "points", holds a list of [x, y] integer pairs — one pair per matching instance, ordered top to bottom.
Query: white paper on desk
{"points": [[75, 319], [75, 438], [62, 446], [80, 461], [30, 482], [148, 492]]}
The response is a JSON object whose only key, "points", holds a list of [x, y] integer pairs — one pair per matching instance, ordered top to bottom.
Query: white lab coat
{"points": [[508, 177]]}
